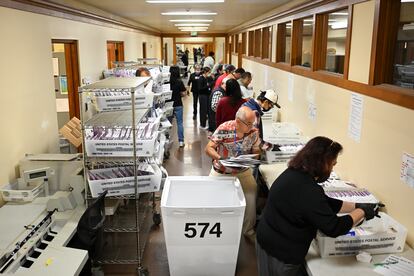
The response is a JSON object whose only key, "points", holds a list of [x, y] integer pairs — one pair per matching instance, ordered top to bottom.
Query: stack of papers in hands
{"points": [[241, 161]]}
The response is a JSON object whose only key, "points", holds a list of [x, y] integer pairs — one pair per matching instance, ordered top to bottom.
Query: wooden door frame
{"points": [[240, 55], [72, 74]]}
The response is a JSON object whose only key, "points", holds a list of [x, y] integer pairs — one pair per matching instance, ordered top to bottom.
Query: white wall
{"points": [[27, 107]]}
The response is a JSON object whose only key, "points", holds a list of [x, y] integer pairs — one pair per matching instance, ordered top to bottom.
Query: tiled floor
{"points": [[190, 160]]}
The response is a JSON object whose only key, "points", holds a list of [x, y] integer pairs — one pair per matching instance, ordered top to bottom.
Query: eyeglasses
{"points": [[249, 125]]}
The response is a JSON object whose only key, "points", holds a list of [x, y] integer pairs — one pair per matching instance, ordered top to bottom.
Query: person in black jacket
{"points": [[193, 82], [204, 86], [297, 207]]}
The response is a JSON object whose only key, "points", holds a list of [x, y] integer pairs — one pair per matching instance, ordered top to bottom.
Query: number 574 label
{"points": [[201, 229]]}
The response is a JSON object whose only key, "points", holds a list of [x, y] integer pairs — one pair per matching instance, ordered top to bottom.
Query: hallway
{"points": [[190, 160]]}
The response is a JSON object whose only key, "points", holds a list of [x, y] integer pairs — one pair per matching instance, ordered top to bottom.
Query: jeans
{"points": [[203, 109], [178, 113]]}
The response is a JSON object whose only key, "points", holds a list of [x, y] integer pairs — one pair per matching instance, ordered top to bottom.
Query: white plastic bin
{"points": [[202, 219], [388, 238]]}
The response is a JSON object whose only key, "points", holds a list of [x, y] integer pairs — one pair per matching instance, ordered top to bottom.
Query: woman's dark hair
{"points": [[142, 70], [205, 70], [174, 73], [233, 91], [316, 157]]}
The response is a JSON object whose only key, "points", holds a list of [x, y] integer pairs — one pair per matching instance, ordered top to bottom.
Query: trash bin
{"points": [[202, 219]]}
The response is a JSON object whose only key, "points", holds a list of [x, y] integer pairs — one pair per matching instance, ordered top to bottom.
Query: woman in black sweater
{"points": [[297, 207]]}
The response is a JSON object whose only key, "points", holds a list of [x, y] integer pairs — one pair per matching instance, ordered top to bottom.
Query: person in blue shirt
{"points": [[264, 102]]}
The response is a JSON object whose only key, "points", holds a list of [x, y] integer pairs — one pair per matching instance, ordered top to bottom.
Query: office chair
{"points": [[89, 233]]}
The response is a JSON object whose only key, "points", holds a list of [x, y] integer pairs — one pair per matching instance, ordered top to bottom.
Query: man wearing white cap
{"points": [[264, 102]]}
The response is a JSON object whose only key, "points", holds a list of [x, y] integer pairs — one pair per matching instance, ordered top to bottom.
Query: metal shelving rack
{"points": [[137, 205]]}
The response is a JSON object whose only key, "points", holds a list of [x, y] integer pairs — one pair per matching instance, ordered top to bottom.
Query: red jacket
{"points": [[226, 111]]}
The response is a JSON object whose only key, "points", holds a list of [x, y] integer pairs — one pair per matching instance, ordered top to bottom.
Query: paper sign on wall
{"points": [[290, 87], [312, 111], [355, 117], [407, 169]]}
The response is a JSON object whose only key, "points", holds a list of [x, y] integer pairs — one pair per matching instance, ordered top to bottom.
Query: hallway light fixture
{"points": [[183, 1], [189, 13], [191, 20], [192, 25], [339, 25], [191, 30]]}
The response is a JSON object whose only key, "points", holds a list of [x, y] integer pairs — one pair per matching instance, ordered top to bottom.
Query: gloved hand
{"points": [[370, 209]]}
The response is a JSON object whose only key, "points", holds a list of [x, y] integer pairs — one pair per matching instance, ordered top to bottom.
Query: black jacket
{"points": [[296, 208]]}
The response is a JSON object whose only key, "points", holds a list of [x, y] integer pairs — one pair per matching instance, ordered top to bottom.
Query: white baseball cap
{"points": [[272, 96]]}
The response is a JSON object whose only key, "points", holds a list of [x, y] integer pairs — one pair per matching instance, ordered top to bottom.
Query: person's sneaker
{"points": [[194, 117], [203, 128], [181, 144]]}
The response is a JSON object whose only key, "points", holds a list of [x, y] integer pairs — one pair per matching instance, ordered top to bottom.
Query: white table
{"points": [[346, 266]]}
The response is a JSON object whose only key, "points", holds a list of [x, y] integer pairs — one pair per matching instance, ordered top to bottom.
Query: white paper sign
{"points": [[290, 87], [62, 105], [312, 111], [355, 117], [407, 169]]}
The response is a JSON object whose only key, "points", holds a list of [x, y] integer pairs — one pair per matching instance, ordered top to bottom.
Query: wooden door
{"points": [[115, 52]]}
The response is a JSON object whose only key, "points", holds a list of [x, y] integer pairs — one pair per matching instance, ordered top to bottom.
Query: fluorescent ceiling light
{"points": [[183, 1], [189, 13], [191, 20], [192, 25], [339, 25], [191, 30]]}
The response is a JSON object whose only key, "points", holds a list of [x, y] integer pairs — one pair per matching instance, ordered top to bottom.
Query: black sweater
{"points": [[296, 208]]}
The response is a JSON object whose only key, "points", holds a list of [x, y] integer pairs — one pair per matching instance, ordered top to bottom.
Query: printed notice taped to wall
{"points": [[355, 117], [407, 169]]}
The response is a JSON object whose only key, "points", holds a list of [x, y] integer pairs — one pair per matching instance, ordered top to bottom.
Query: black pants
{"points": [[195, 103], [203, 109], [270, 266]]}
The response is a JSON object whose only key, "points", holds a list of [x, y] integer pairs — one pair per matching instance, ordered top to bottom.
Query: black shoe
{"points": [[194, 117]]}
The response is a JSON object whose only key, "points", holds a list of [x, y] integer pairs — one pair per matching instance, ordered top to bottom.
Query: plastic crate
{"points": [[123, 102], [121, 148], [125, 185], [11, 192], [202, 220], [390, 240]]}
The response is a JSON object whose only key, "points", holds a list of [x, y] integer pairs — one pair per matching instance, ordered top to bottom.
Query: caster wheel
{"points": [[156, 218]]}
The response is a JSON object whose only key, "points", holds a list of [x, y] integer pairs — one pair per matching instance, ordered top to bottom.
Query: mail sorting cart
{"points": [[120, 138], [202, 220]]}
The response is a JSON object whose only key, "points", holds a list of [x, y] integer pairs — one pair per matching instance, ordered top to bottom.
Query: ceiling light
{"points": [[183, 1], [189, 13], [191, 20], [192, 25], [339, 25], [191, 30]]}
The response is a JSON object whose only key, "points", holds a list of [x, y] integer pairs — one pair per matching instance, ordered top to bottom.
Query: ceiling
{"points": [[230, 14]]}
